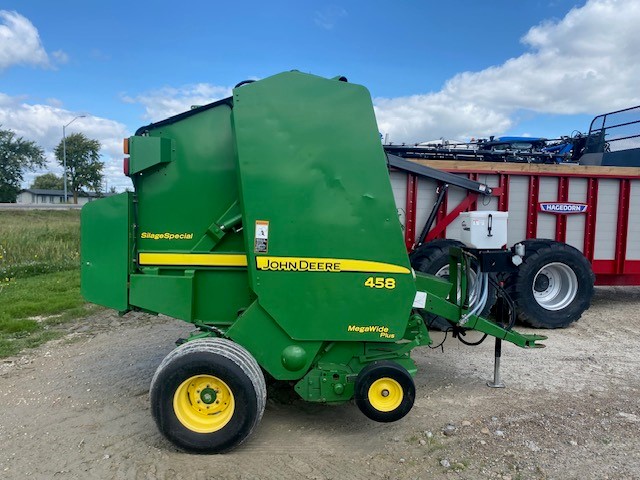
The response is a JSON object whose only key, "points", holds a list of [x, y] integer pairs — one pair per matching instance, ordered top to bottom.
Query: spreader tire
{"points": [[433, 258], [553, 286], [384, 391], [208, 395]]}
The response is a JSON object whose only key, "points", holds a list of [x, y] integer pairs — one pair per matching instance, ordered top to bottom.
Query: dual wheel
{"points": [[433, 258], [554, 285], [551, 289], [208, 395]]}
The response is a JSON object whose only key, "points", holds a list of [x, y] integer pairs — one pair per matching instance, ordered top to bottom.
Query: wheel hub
{"points": [[444, 274], [541, 283], [555, 286], [385, 394], [208, 395], [204, 403]]}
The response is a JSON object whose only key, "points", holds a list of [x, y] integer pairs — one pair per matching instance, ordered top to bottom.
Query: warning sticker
{"points": [[261, 243], [420, 300]]}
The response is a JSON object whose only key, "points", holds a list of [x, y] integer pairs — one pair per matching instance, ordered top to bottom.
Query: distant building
{"points": [[38, 195]]}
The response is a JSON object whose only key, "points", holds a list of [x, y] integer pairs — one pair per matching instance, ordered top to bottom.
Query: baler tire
{"points": [[425, 249], [434, 260], [552, 306], [377, 378], [235, 389]]}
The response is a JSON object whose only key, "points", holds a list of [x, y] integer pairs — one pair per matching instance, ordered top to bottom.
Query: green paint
{"points": [[147, 152], [320, 179], [105, 250], [168, 294], [208, 396]]}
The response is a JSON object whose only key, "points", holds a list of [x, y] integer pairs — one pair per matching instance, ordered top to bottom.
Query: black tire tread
{"points": [[428, 250], [432, 253], [518, 285], [223, 348], [227, 348], [362, 387]]}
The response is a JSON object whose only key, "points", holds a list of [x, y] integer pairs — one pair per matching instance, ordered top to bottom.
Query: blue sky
{"points": [[452, 69]]}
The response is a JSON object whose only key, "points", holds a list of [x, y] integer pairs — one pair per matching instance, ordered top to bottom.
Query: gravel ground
{"points": [[78, 408]]}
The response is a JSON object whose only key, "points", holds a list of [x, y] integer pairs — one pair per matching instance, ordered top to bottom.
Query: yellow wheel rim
{"points": [[385, 394], [203, 404]]}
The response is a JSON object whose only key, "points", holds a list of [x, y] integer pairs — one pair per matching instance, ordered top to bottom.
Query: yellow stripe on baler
{"points": [[193, 259], [290, 264], [306, 264]]}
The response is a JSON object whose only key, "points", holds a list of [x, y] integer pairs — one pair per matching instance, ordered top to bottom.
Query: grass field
{"points": [[38, 241], [39, 276]]}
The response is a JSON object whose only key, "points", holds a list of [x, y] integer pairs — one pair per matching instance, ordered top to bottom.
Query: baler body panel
{"points": [[186, 195], [106, 250], [325, 251], [186, 271], [270, 344]]}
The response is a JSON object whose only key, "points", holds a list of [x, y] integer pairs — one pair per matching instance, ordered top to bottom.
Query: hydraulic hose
{"points": [[482, 279]]}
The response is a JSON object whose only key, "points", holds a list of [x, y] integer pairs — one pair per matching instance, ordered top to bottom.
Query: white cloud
{"points": [[329, 16], [20, 42], [60, 56], [588, 62], [54, 102], [165, 102], [422, 117], [43, 124]]}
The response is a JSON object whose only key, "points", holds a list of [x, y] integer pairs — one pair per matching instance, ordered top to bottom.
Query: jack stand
{"points": [[496, 367]]}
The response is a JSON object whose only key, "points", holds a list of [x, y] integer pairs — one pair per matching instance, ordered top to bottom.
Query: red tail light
{"points": [[125, 166]]}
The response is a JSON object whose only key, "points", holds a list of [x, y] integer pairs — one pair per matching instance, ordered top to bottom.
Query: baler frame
{"points": [[263, 264]]}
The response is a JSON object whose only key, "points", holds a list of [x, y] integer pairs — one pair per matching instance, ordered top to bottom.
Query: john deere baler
{"points": [[267, 220]]}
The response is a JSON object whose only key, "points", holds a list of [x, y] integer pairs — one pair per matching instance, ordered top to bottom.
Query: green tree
{"points": [[17, 155], [84, 168], [48, 181]]}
